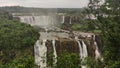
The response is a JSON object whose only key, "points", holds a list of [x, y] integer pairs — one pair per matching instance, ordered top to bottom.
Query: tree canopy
{"points": [[108, 21], [16, 40]]}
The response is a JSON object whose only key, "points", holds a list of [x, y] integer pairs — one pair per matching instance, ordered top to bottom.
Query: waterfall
{"points": [[27, 19], [63, 19], [41, 20], [70, 21], [80, 48], [83, 50], [36, 52], [40, 53], [55, 53], [85, 53], [97, 53], [83, 66]]}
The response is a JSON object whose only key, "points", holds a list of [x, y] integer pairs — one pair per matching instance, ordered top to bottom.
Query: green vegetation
{"points": [[5, 14], [108, 21], [76, 26], [17, 33], [16, 41], [64, 60], [68, 60], [21, 62], [92, 63]]}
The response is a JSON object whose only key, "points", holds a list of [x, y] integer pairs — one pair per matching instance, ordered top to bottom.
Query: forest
{"points": [[21, 9], [108, 15], [17, 39], [16, 44]]}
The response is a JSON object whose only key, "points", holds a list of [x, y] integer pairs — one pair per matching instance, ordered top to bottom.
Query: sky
{"points": [[46, 3]]}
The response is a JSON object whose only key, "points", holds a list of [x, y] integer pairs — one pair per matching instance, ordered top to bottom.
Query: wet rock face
{"points": [[74, 19], [88, 40], [99, 42], [49, 45], [61, 45], [72, 46], [90, 47], [49, 51]]}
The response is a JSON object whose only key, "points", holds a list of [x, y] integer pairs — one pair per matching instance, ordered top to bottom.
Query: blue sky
{"points": [[46, 3]]}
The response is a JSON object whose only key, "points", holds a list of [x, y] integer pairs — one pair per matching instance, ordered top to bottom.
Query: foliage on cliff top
{"points": [[5, 14], [108, 21], [14, 34], [16, 40]]}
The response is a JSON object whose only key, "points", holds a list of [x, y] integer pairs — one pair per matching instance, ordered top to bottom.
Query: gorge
{"points": [[38, 37], [53, 38]]}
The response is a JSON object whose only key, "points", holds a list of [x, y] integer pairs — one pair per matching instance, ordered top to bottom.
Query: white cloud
{"points": [[46, 3]]}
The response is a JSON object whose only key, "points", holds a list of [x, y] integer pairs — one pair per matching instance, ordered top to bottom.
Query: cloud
{"points": [[46, 3], [8, 4]]}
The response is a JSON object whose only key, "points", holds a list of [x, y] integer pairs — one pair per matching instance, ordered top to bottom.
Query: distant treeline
{"points": [[20, 9]]}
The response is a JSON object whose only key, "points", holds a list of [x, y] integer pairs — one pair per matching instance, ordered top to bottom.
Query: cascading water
{"points": [[28, 19], [63, 19], [41, 20], [70, 22], [40, 46], [80, 48], [83, 50], [36, 51], [40, 53], [55, 53], [85, 53], [97, 53]]}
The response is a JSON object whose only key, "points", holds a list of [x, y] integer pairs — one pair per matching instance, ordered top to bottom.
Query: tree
{"points": [[5, 14], [108, 15], [16, 39], [64, 60], [68, 60]]}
